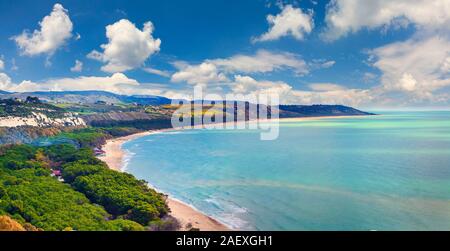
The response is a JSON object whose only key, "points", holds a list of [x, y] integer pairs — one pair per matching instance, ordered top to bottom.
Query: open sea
{"points": [[387, 172]]}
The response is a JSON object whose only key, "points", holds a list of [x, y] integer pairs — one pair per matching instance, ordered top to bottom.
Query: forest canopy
{"points": [[87, 196]]}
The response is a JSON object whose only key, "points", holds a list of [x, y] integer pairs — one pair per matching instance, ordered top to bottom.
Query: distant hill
{"points": [[88, 97], [93, 97], [103, 97], [291, 111]]}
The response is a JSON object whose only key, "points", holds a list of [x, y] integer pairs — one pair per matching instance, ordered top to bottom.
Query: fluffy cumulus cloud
{"points": [[347, 16], [290, 22], [55, 30], [128, 47], [418, 66], [78, 67], [216, 70], [412, 72], [202, 74], [248, 85], [319, 93]]}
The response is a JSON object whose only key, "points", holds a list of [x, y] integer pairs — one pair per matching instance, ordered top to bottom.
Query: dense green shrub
{"points": [[87, 137], [79, 168], [122, 194], [33, 198], [48, 204], [124, 225]]}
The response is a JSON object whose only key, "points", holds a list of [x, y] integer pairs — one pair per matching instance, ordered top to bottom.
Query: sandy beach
{"points": [[185, 214]]}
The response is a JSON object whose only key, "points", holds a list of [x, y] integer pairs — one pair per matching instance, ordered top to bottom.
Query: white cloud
{"points": [[347, 16], [291, 21], [56, 29], [127, 47], [262, 61], [321, 64], [328, 64], [2, 65], [446, 65], [418, 66], [14, 67], [78, 67], [216, 70], [157, 72], [413, 72], [203, 73], [369, 77], [5, 81], [407, 82], [117, 83], [248, 85], [321, 87], [321, 93], [350, 97]]}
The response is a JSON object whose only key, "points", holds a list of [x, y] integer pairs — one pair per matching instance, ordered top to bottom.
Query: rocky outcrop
{"points": [[8, 224]]}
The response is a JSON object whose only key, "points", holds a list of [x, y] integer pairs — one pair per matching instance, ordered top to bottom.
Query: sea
{"points": [[384, 172]]}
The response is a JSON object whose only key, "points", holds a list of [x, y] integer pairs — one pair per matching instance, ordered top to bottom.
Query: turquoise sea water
{"points": [[388, 172]]}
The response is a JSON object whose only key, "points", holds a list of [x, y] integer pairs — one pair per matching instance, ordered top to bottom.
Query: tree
{"points": [[32, 100]]}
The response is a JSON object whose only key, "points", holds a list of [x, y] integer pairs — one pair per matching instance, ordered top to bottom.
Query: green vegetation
{"points": [[97, 107], [17, 108], [86, 137], [91, 137], [120, 193], [92, 197]]}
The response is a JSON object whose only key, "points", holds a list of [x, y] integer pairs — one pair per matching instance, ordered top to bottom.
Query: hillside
{"points": [[288, 111], [32, 112], [25, 118]]}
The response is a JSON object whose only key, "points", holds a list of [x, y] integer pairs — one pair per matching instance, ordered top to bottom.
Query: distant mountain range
{"points": [[88, 97], [92, 97]]}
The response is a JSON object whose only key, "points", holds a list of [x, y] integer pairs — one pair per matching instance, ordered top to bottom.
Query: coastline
{"points": [[185, 214]]}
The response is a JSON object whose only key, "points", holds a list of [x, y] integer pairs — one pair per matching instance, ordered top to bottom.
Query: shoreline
{"points": [[184, 213]]}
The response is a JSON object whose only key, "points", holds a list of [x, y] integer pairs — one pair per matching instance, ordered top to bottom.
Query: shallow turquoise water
{"points": [[389, 172]]}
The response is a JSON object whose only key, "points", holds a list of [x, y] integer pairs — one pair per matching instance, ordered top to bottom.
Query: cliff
{"points": [[41, 120]]}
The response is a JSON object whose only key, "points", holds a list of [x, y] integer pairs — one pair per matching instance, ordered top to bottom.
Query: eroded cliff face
{"points": [[122, 116], [41, 120], [137, 120], [25, 129], [26, 134]]}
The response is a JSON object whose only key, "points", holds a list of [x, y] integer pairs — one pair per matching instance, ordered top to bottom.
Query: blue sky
{"points": [[361, 53]]}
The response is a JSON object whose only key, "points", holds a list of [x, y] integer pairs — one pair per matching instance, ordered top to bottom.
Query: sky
{"points": [[362, 53]]}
